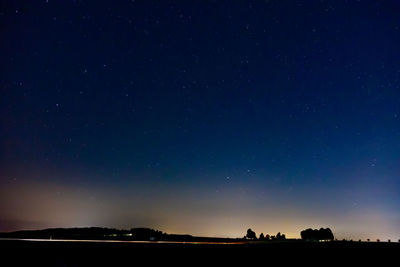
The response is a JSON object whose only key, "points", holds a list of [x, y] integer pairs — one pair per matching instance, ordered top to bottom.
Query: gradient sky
{"points": [[201, 117]]}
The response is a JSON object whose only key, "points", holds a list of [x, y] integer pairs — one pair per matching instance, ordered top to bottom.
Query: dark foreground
{"points": [[75, 253]]}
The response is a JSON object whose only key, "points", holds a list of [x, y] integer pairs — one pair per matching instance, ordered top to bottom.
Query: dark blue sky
{"points": [[201, 117]]}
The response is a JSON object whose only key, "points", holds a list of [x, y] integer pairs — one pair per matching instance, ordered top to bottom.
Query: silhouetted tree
{"points": [[251, 234], [308, 234], [321, 234], [325, 234], [261, 236], [280, 236], [267, 237], [368, 239]]}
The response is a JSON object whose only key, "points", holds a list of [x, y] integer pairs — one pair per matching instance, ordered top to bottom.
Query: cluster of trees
{"points": [[308, 234], [252, 235], [317, 235]]}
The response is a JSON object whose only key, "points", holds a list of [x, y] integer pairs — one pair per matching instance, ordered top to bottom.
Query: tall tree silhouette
{"points": [[251, 234], [261, 236], [278, 236]]}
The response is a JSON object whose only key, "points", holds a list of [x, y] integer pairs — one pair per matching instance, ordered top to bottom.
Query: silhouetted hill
{"points": [[100, 233]]}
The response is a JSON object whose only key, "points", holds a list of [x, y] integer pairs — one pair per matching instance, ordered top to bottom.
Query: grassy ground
{"points": [[23, 253]]}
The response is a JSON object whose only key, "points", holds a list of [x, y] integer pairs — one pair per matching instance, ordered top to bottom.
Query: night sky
{"points": [[201, 117]]}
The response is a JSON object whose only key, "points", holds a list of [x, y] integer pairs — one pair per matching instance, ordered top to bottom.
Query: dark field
{"points": [[58, 253]]}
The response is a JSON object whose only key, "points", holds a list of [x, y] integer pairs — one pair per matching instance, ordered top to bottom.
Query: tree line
{"points": [[323, 234], [252, 236]]}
